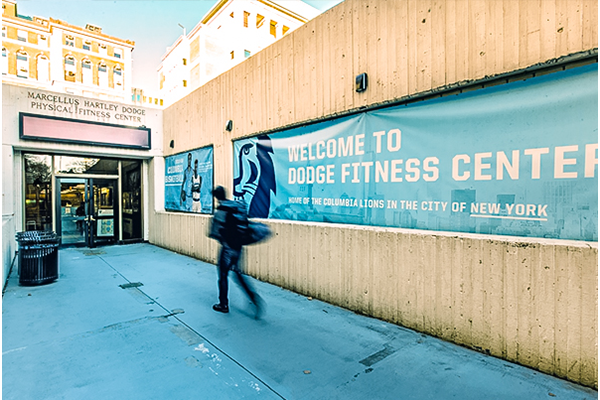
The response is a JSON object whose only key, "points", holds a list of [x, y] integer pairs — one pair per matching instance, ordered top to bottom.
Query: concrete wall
{"points": [[9, 243], [532, 301]]}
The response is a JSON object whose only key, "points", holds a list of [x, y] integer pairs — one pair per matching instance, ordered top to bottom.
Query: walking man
{"points": [[227, 228]]}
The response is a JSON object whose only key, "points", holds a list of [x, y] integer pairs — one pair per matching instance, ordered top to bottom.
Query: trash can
{"points": [[38, 257]]}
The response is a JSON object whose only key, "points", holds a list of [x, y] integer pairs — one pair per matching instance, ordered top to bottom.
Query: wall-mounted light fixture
{"points": [[361, 82], [229, 126], [172, 144]]}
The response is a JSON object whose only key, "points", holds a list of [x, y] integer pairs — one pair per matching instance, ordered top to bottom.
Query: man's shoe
{"points": [[221, 308]]}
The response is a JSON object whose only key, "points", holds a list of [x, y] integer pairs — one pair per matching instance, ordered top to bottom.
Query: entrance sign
{"points": [[55, 129], [518, 159], [189, 181]]}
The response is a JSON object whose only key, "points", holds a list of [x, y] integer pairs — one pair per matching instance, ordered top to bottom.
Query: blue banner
{"points": [[517, 159], [189, 181]]}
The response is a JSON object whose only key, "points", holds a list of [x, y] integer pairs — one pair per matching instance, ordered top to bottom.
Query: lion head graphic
{"points": [[256, 176]]}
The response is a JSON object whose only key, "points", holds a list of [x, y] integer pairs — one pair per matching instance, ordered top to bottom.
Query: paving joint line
{"points": [[174, 315]]}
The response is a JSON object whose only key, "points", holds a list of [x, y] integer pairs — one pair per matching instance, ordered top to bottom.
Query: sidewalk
{"points": [[135, 322]]}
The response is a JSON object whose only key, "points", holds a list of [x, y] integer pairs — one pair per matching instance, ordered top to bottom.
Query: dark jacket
{"points": [[230, 223]]}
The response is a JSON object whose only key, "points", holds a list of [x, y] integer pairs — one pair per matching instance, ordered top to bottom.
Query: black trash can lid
{"points": [[30, 237]]}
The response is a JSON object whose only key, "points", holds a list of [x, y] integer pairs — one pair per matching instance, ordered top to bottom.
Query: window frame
{"points": [[260, 20], [22, 38], [69, 41], [5, 53], [23, 61], [46, 63], [87, 72], [118, 72], [102, 74]]}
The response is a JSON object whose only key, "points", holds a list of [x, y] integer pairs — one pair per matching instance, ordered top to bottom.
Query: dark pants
{"points": [[228, 260]]}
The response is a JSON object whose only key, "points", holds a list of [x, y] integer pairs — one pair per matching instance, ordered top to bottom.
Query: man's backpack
{"points": [[237, 221], [231, 225], [257, 232]]}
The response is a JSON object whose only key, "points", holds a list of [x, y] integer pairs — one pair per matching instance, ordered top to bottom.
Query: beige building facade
{"points": [[230, 32], [50, 54], [528, 300]]}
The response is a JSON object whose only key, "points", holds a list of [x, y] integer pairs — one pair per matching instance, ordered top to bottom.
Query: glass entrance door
{"points": [[103, 212], [88, 214], [73, 216]]}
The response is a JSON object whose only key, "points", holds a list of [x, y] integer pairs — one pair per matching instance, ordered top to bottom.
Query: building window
{"points": [[231, 15], [246, 15], [259, 20], [273, 29], [284, 30], [3, 31], [21, 35], [43, 41], [70, 41], [87, 45], [103, 49], [118, 53], [247, 53], [232, 54], [4, 61], [184, 61], [22, 64], [43, 68], [70, 69], [86, 72], [102, 75], [118, 77], [184, 83], [161, 102]]}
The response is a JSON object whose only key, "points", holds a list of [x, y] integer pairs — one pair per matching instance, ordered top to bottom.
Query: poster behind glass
{"points": [[189, 181]]}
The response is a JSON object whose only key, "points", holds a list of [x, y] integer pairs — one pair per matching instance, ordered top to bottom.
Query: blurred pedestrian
{"points": [[230, 223]]}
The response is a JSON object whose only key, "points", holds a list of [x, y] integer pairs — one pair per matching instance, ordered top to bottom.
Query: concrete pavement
{"points": [[135, 322]]}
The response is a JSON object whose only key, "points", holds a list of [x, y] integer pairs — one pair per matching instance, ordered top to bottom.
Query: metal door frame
{"points": [[88, 180], [93, 238]]}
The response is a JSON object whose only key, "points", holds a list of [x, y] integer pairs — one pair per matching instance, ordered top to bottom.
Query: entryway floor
{"points": [[135, 322]]}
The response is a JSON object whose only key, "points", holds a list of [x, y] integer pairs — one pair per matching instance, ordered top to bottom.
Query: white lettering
{"points": [[397, 135], [591, 159], [536, 160], [560, 161], [503, 163], [480, 166], [455, 172]]}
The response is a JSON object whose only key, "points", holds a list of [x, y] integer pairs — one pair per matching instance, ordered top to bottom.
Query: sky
{"points": [[152, 25]]}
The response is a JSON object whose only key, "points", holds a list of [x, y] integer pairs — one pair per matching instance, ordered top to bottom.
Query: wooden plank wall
{"points": [[529, 301]]}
